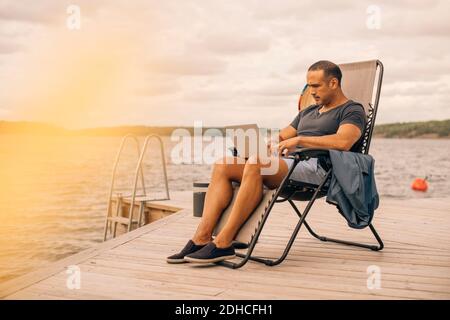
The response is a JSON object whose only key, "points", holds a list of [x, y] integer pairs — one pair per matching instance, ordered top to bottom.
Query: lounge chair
{"points": [[361, 82]]}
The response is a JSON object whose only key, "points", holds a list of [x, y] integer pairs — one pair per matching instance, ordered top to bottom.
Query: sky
{"points": [[90, 63]]}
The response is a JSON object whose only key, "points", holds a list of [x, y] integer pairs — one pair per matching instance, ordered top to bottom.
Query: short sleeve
{"points": [[356, 115], [295, 122]]}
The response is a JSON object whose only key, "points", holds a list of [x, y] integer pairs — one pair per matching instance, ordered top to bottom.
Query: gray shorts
{"points": [[308, 171]]}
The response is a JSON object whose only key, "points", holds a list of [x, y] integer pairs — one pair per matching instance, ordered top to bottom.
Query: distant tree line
{"points": [[431, 129], [438, 129]]}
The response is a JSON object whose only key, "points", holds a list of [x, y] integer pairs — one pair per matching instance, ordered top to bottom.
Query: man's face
{"points": [[322, 89]]}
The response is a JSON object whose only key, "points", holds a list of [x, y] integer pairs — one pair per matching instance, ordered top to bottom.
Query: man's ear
{"points": [[333, 83]]}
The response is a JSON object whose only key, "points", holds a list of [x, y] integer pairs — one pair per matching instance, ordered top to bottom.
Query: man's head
{"points": [[324, 80]]}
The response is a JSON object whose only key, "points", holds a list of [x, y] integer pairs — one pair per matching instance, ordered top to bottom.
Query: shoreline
{"points": [[433, 130], [40, 134]]}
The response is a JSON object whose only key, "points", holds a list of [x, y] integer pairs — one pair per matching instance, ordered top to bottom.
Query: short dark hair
{"points": [[329, 68]]}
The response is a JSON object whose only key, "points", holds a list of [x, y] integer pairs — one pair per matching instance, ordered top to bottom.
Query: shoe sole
{"points": [[239, 245], [218, 259], [176, 261]]}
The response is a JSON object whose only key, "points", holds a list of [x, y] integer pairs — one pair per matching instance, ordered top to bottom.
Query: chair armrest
{"points": [[306, 153]]}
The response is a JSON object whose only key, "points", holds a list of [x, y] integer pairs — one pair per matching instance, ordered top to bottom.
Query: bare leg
{"points": [[249, 196], [218, 197]]}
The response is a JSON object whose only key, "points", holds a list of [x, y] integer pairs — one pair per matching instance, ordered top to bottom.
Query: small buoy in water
{"points": [[420, 184]]}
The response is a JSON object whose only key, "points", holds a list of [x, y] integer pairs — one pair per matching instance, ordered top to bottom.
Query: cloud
{"points": [[292, 9], [25, 11], [44, 12], [407, 19], [232, 44], [8, 47], [233, 60], [186, 65], [419, 70], [158, 86], [418, 88], [158, 89], [277, 89], [208, 95]]}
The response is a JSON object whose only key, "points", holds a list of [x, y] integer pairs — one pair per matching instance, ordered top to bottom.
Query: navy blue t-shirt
{"points": [[309, 122]]}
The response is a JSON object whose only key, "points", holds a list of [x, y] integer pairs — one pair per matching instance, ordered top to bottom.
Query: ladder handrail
{"points": [[163, 160], [139, 168]]}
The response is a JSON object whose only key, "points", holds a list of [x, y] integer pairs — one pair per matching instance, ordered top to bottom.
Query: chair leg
{"points": [[378, 247], [248, 255], [270, 262]]}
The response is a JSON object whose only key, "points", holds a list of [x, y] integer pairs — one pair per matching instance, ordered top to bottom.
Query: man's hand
{"points": [[285, 134], [271, 143], [286, 146]]}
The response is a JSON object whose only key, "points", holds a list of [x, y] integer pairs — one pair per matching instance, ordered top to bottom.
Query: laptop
{"points": [[246, 139]]}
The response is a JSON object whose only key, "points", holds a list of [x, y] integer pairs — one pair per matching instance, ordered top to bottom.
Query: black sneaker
{"points": [[239, 245], [190, 247], [210, 254]]}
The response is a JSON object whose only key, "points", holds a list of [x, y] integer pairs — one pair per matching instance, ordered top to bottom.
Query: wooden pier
{"points": [[415, 263]]}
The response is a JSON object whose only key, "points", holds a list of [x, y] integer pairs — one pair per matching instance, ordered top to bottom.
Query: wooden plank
{"points": [[414, 265], [358, 275], [26, 280]]}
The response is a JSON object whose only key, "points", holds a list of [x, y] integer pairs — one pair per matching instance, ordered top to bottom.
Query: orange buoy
{"points": [[420, 184]]}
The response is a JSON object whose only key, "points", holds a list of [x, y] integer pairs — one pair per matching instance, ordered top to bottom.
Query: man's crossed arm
{"points": [[346, 136]]}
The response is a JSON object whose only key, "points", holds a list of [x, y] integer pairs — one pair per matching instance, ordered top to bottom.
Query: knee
{"points": [[253, 160], [220, 167], [252, 168]]}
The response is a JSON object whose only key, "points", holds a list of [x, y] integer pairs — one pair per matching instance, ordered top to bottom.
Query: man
{"points": [[334, 122]]}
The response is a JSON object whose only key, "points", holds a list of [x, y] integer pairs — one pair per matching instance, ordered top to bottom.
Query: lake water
{"points": [[53, 190]]}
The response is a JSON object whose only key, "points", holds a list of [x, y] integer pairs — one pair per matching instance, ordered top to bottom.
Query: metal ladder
{"points": [[112, 221]]}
